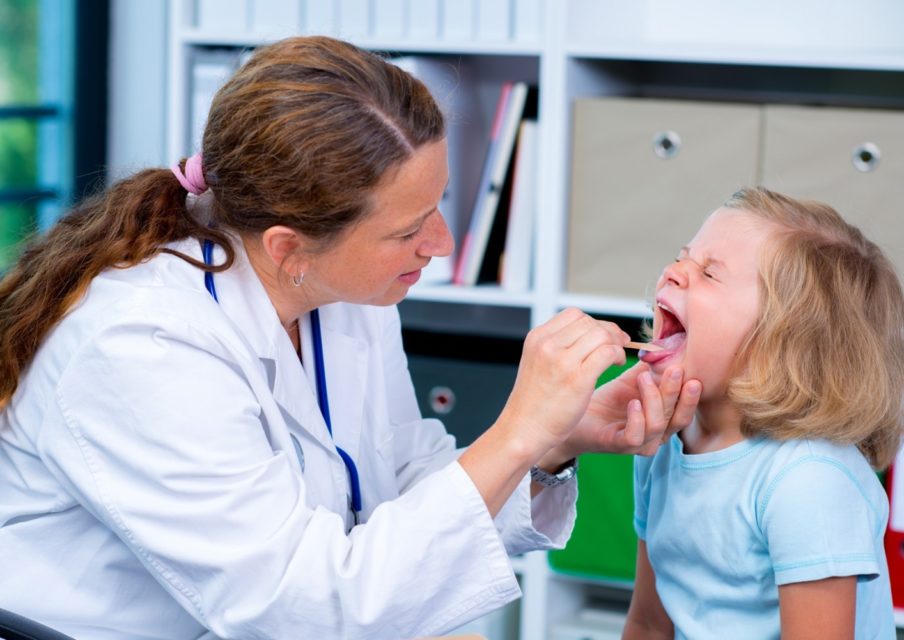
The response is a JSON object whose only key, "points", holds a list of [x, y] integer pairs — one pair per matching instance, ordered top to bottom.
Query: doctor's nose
{"points": [[438, 240]]}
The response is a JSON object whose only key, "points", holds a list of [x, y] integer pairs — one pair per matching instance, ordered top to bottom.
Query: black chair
{"points": [[16, 627]]}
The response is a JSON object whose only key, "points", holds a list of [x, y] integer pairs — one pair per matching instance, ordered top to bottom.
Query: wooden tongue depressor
{"points": [[645, 346]]}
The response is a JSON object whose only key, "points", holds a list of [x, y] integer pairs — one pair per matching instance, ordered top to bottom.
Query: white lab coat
{"points": [[151, 486]]}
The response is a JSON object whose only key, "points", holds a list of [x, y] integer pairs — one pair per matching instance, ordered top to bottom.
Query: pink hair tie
{"points": [[193, 178]]}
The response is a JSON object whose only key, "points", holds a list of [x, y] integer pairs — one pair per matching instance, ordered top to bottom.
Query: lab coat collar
{"points": [[245, 301]]}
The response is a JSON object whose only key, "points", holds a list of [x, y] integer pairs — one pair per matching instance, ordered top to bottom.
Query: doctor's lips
{"points": [[411, 277], [670, 337]]}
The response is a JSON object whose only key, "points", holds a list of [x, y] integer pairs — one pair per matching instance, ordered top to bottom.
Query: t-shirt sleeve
{"points": [[642, 472], [819, 523]]}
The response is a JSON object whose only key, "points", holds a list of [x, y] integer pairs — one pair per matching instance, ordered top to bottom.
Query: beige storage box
{"points": [[851, 159], [645, 173]]}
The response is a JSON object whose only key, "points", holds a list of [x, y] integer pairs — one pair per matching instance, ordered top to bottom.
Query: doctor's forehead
{"points": [[415, 187]]}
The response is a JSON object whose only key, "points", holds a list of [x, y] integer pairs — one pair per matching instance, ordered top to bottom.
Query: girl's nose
{"points": [[438, 240], [676, 273]]}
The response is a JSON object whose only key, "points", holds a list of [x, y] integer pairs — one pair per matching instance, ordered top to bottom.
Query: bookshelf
{"points": [[771, 51]]}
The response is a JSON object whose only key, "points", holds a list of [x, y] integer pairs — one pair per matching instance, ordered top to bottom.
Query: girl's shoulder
{"points": [[790, 453], [817, 467]]}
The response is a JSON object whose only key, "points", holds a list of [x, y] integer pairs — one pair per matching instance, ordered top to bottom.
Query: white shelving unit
{"points": [[570, 49]]}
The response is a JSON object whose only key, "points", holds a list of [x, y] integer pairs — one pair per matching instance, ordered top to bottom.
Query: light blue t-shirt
{"points": [[723, 529]]}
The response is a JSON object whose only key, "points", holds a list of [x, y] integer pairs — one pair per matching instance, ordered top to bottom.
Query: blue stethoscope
{"points": [[319, 374]]}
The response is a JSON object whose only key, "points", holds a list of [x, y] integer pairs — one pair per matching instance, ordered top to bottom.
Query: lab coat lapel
{"points": [[245, 301], [345, 363], [294, 395]]}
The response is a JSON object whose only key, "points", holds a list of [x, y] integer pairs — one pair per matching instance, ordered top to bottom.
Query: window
{"points": [[52, 111]]}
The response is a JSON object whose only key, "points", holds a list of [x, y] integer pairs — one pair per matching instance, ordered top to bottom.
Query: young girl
{"points": [[763, 518]]}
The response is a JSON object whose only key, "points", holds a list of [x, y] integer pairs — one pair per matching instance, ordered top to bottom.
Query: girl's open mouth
{"points": [[671, 338]]}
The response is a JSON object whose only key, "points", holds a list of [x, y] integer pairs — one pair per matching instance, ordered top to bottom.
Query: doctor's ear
{"points": [[285, 247]]}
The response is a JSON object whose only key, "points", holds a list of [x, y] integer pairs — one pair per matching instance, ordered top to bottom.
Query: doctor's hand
{"points": [[560, 364], [632, 414]]}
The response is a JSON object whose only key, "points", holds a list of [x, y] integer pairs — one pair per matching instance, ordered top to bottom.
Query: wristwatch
{"points": [[555, 479]]}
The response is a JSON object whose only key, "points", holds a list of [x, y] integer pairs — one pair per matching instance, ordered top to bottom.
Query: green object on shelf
{"points": [[603, 544]]}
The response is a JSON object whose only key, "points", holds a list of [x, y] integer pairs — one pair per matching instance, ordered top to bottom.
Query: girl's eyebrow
{"points": [[707, 260]]}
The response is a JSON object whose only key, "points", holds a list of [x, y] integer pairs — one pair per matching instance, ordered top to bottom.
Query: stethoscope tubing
{"points": [[319, 374]]}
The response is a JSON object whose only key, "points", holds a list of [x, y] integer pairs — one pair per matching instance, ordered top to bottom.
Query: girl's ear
{"points": [[286, 248]]}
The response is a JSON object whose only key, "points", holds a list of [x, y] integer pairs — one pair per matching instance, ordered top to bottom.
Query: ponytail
{"points": [[122, 227]]}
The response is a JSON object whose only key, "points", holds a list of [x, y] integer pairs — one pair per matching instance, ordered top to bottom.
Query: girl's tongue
{"points": [[669, 345]]}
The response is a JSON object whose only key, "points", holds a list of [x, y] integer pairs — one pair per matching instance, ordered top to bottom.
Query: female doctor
{"points": [[208, 426]]}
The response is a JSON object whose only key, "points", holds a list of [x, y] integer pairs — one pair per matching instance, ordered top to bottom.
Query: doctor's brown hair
{"points": [[300, 136], [826, 357]]}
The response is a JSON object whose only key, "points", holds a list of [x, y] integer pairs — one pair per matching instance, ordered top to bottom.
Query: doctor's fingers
{"points": [[559, 321], [565, 327], [576, 334], [591, 351], [597, 353], [669, 391], [657, 402], [676, 402], [685, 407], [630, 439]]}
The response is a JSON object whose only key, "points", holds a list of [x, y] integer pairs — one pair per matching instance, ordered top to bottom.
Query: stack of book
{"points": [[498, 242]]}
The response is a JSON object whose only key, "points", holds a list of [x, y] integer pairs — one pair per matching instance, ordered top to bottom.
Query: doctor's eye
{"points": [[410, 236]]}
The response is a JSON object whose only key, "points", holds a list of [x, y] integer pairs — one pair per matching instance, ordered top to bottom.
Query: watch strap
{"points": [[554, 479]]}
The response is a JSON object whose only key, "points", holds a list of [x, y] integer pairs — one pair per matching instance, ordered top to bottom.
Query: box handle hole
{"points": [[666, 144], [865, 157]]}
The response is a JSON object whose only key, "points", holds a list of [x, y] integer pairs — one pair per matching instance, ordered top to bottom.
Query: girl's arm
{"points": [[823, 609], [647, 618]]}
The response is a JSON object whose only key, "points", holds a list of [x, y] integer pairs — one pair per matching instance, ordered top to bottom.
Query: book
{"points": [[221, 16], [321, 17], [354, 18], [388, 18], [273, 19], [457, 20], [527, 20], [422, 21], [493, 21], [455, 91], [510, 108], [517, 256]]}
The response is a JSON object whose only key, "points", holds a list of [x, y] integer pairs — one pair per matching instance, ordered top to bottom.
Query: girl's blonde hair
{"points": [[826, 357]]}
